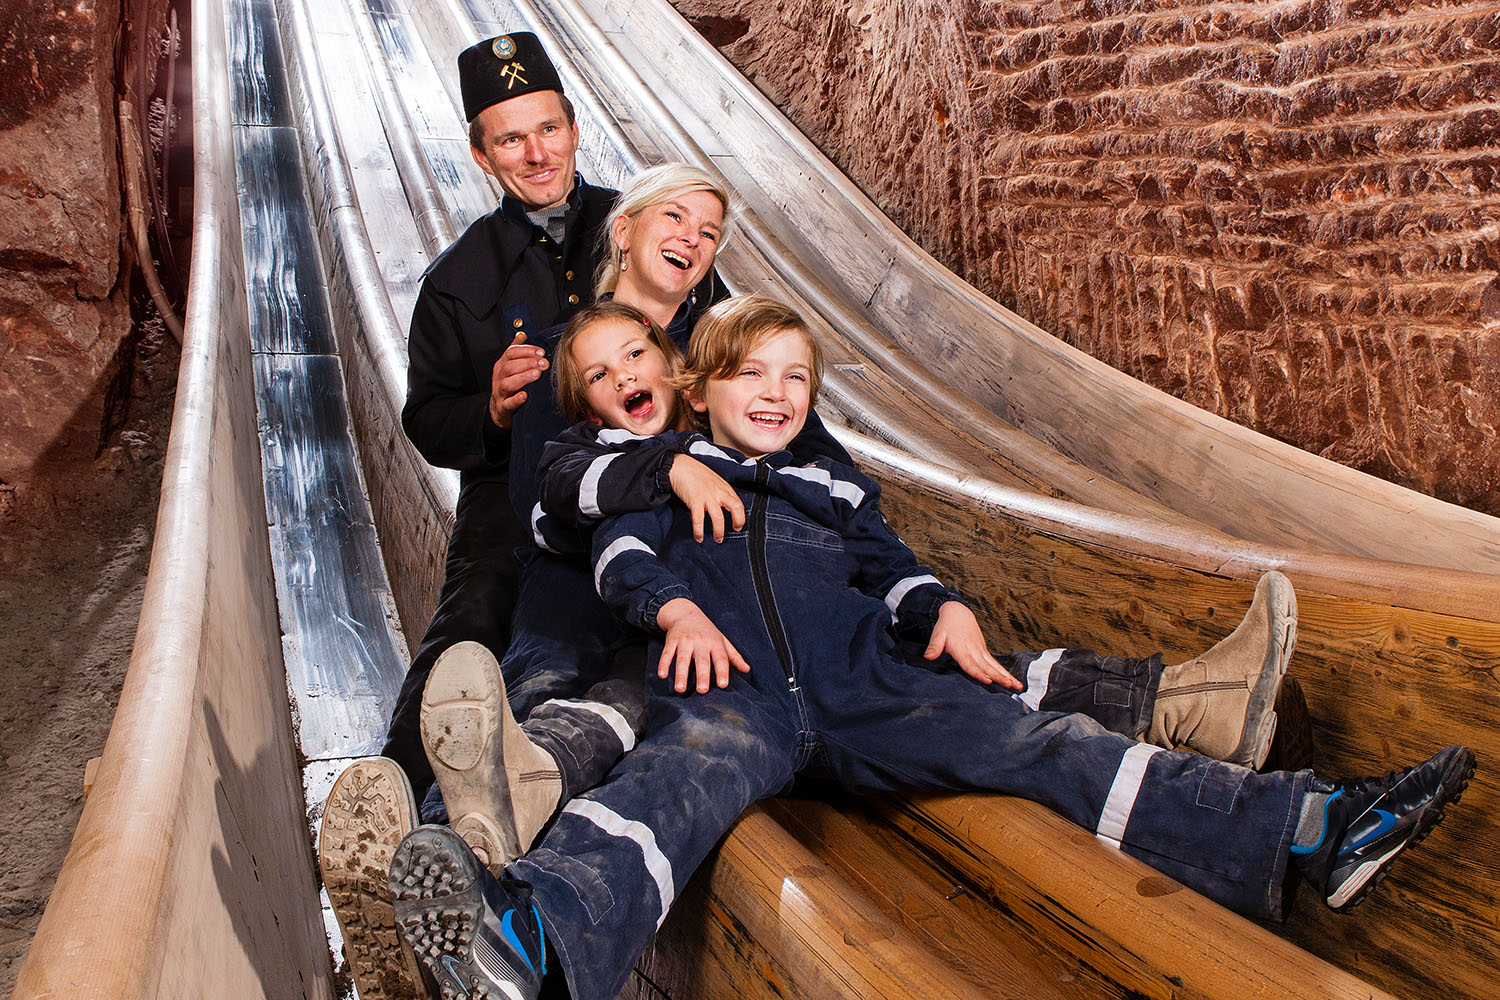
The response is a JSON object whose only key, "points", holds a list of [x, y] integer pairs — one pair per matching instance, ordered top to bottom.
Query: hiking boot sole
{"points": [[1260, 712], [498, 786], [369, 811], [1371, 872], [439, 904]]}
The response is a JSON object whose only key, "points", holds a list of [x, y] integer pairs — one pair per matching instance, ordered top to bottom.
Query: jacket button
{"points": [[568, 276], [572, 300], [518, 323]]}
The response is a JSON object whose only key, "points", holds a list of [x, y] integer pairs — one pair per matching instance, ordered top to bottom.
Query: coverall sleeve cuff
{"points": [[496, 441], [659, 600], [917, 613]]}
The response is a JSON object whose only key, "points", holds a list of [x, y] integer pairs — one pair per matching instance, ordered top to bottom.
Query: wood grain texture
{"points": [[1387, 686], [770, 915], [994, 948]]}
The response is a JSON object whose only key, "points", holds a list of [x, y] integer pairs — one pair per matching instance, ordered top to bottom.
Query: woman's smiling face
{"points": [[669, 246]]}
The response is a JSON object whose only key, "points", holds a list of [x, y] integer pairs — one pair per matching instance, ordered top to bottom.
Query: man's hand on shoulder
{"points": [[520, 365]]}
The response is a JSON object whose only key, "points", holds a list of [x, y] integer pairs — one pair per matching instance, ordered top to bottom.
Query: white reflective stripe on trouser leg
{"points": [[625, 543], [1038, 676], [608, 713], [1123, 793], [616, 825]]}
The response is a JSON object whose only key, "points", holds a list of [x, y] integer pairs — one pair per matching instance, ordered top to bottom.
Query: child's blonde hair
{"points": [[653, 186], [727, 334], [567, 378]]}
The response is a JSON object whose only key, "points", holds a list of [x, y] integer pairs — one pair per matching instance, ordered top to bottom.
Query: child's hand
{"points": [[706, 496], [957, 633], [693, 641]]}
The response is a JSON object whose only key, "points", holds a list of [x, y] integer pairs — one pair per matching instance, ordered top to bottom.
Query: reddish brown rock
{"points": [[1285, 213], [62, 318], [77, 498]]}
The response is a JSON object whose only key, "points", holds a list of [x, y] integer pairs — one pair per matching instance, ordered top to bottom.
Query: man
{"points": [[519, 270], [512, 274]]}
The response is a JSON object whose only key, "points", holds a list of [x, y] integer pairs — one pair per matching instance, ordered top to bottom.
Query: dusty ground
{"points": [[74, 548]]}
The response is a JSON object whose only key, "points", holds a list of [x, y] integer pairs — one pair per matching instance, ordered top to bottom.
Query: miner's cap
{"points": [[503, 67]]}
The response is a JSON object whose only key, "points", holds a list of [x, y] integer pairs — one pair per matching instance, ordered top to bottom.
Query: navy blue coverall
{"points": [[827, 605], [573, 676]]}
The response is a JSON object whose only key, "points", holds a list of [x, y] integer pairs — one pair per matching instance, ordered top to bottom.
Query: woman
{"points": [[667, 227]]}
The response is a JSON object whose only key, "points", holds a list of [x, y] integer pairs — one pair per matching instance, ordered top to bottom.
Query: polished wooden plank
{"points": [[1115, 911], [769, 916], [992, 948]]}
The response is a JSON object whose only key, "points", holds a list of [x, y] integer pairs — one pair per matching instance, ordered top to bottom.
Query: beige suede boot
{"points": [[1222, 704], [500, 788]]}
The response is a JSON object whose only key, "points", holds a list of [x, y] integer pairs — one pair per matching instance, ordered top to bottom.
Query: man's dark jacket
{"points": [[503, 276]]}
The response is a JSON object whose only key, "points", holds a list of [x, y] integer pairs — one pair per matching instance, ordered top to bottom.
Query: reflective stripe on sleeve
{"points": [[588, 488], [841, 489], [899, 591]]}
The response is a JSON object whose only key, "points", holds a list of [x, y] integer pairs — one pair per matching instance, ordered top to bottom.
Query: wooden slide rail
{"points": [[195, 820]]}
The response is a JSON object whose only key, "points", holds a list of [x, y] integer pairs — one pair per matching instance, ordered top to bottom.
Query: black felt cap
{"points": [[503, 67]]}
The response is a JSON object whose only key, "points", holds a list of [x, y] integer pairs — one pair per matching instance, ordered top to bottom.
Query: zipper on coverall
{"points": [[762, 577]]}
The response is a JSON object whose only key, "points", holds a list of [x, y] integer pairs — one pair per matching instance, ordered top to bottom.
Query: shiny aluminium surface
{"points": [[345, 657]]}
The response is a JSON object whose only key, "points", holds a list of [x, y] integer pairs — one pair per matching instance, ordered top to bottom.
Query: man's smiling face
{"points": [[530, 147]]}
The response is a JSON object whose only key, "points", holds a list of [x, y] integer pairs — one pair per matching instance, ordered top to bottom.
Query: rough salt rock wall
{"points": [[1287, 213], [63, 318]]}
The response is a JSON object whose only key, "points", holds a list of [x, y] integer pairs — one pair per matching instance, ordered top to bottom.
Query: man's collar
{"points": [[515, 209]]}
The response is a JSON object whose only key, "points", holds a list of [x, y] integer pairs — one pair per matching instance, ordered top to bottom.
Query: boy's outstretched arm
{"points": [[587, 473], [920, 605], [958, 634]]}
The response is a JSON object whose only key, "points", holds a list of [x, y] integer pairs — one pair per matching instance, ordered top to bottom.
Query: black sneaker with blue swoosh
{"points": [[1370, 821], [478, 936]]}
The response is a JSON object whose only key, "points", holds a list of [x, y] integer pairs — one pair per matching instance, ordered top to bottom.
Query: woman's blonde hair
{"points": [[653, 186], [727, 334], [567, 378]]}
